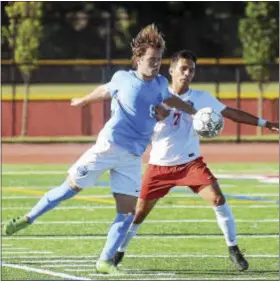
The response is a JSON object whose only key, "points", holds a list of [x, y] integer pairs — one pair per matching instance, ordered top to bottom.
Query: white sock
{"points": [[226, 223], [129, 235]]}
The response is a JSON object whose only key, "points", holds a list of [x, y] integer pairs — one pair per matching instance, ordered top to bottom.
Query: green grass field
{"points": [[67, 91], [179, 241]]}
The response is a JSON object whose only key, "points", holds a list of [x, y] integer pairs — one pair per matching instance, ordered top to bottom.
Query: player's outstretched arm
{"points": [[99, 93], [180, 105], [160, 112], [240, 116]]}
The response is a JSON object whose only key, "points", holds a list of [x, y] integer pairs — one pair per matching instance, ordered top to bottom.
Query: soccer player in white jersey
{"points": [[120, 144], [175, 157]]}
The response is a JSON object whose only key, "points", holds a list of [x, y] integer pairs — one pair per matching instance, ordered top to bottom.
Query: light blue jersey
{"points": [[131, 124]]}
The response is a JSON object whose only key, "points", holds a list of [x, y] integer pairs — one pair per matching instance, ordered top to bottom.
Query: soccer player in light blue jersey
{"points": [[136, 96]]}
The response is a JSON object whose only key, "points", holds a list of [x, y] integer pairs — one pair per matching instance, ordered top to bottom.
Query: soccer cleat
{"points": [[15, 225], [118, 257], [237, 258], [106, 267]]}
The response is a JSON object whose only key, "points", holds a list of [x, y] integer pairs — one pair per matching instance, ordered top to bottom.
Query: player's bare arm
{"points": [[99, 93], [180, 105], [161, 112], [240, 116]]}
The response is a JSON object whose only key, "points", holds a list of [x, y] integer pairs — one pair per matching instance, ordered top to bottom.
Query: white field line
{"points": [[266, 169], [34, 172], [224, 175], [243, 176], [246, 176], [260, 177], [272, 180], [223, 185], [266, 186], [46, 188], [183, 188], [231, 194], [256, 194], [171, 195], [40, 196], [94, 196], [20, 197], [90, 208], [158, 221], [96, 237], [9, 247], [25, 252], [51, 257], [91, 258], [56, 261], [85, 266], [44, 271], [126, 271], [156, 273], [73, 277], [175, 278], [201, 278]]}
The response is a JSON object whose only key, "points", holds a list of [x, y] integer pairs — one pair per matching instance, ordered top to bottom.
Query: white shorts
{"points": [[125, 168]]}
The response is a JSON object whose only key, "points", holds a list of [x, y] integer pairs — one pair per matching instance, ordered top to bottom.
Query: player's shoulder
{"points": [[121, 73], [162, 80], [200, 93]]}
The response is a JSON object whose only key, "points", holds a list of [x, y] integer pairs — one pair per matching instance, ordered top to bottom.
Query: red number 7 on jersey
{"points": [[176, 116]]}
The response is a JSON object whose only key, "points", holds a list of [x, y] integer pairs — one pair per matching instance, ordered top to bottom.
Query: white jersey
{"points": [[174, 141]]}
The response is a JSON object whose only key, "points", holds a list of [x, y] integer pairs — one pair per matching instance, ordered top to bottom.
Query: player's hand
{"points": [[77, 102], [161, 112], [273, 126]]}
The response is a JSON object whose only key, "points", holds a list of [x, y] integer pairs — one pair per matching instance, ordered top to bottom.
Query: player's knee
{"points": [[218, 200], [139, 216], [138, 219]]}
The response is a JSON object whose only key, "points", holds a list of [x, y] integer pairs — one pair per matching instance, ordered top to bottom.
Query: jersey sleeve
{"points": [[114, 85], [207, 100]]}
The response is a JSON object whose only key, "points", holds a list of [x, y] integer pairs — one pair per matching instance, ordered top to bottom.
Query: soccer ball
{"points": [[208, 123]]}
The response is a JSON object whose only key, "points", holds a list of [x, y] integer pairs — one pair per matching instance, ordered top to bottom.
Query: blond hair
{"points": [[149, 36]]}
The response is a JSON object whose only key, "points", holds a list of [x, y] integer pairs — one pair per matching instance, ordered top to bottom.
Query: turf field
{"points": [[66, 91], [179, 241]]}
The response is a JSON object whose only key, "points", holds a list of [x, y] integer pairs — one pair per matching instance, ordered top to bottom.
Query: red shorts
{"points": [[158, 180]]}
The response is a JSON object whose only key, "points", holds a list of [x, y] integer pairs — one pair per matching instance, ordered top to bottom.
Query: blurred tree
{"points": [[78, 29], [23, 34], [259, 38]]}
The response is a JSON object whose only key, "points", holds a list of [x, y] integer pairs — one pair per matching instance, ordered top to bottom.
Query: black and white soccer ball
{"points": [[208, 123]]}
